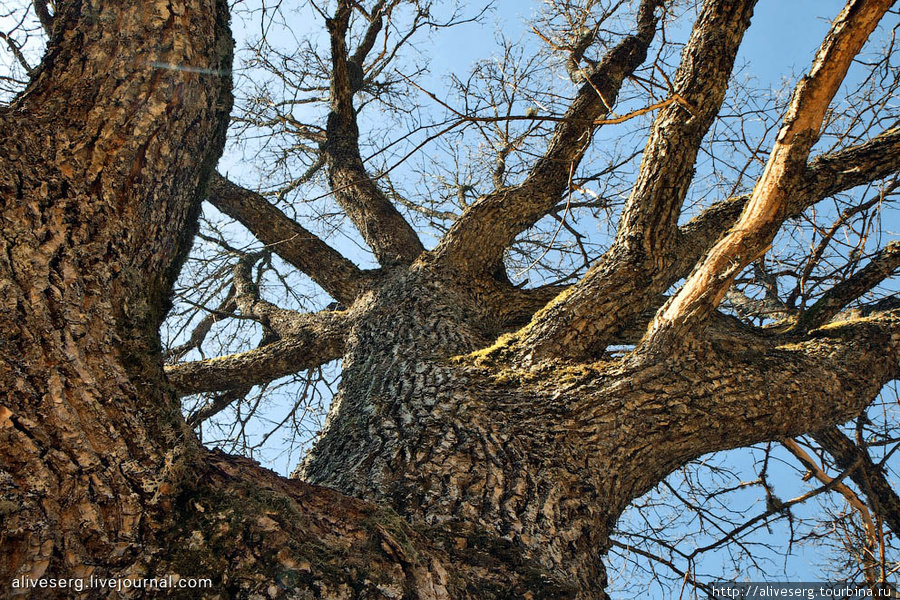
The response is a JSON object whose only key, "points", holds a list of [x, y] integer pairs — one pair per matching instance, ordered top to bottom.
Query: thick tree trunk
{"points": [[100, 164], [456, 449], [542, 462], [458, 470]]}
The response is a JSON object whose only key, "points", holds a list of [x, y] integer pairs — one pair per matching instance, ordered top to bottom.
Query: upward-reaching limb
{"points": [[769, 204], [382, 227], [476, 242], [636, 269]]}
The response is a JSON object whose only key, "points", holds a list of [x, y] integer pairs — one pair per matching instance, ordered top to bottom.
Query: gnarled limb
{"points": [[826, 175], [783, 177], [650, 218], [383, 228], [476, 241], [338, 276], [308, 341], [718, 396]]}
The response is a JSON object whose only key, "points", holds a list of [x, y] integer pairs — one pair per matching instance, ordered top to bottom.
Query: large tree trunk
{"points": [[101, 161], [541, 463], [458, 468]]}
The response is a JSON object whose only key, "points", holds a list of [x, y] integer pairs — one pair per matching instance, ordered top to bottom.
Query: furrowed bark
{"points": [[102, 163], [782, 178], [382, 227], [476, 241], [634, 271], [339, 277], [727, 395], [546, 459], [493, 481]]}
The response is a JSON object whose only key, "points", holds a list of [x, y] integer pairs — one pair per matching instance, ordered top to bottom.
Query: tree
{"points": [[486, 436]]}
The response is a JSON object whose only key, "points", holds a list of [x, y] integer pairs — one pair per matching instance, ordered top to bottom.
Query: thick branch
{"points": [[43, 14], [827, 175], [783, 177], [650, 217], [383, 228], [478, 238], [882, 266], [636, 269], [339, 277], [314, 339], [718, 396]]}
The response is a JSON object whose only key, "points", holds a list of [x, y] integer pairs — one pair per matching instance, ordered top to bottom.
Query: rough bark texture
{"points": [[101, 165], [461, 463]]}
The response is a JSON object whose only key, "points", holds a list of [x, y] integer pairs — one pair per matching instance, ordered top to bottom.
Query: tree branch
{"points": [[42, 11], [826, 175], [783, 177], [650, 216], [383, 228], [476, 241], [880, 267], [636, 269], [339, 277], [309, 340], [721, 395], [868, 476]]}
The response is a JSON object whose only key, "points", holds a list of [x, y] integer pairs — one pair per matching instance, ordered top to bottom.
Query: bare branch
{"points": [[16, 52], [826, 176], [782, 178], [649, 221], [383, 228], [477, 240], [882, 265], [635, 270], [338, 276], [198, 335], [313, 340], [216, 405], [868, 476]]}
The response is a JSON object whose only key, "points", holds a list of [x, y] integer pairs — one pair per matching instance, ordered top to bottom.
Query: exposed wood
{"points": [[768, 206], [580, 322]]}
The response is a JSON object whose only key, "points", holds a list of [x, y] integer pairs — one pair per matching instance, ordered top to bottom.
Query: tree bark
{"points": [[455, 470]]}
